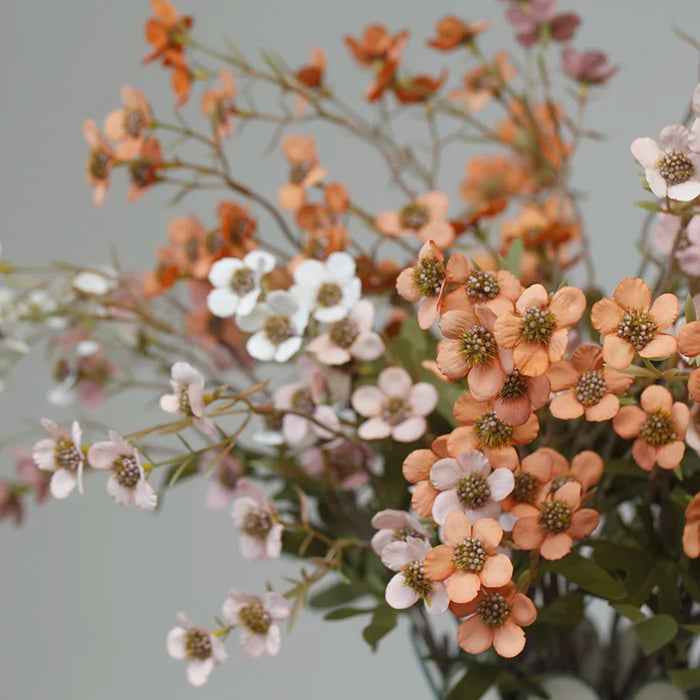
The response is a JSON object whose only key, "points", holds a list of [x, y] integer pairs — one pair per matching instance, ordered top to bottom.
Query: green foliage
{"points": [[588, 575], [383, 621], [655, 632], [685, 679], [475, 682]]}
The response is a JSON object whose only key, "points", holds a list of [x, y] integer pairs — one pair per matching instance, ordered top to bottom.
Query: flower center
{"points": [[224, 107], [133, 122], [99, 164], [675, 168], [299, 171], [141, 172], [414, 216], [237, 229], [214, 242], [192, 249], [315, 249], [429, 276], [243, 281], [482, 286], [329, 294], [537, 325], [637, 327], [278, 329], [344, 333], [477, 345], [514, 386], [590, 388], [183, 399], [302, 401], [395, 410], [658, 429], [492, 431], [66, 454], [126, 470], [226, 477], [561, 479], [525, 487], [473, 491], [555, 516], [257, 523], [406, 532], [469, 555], [415, 578], [493, 610], [255, 618], [197, 644]]}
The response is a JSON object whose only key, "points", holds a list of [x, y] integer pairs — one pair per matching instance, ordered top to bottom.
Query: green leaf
{"points": [[649, 206], [513, 257], [690, 314], [625, 467], [588, 575], [335, 595], [629, 611], [564, 612], [345, 613], [383, 621], [695, 629], [655, 632], [686, 679], [474, 683]]}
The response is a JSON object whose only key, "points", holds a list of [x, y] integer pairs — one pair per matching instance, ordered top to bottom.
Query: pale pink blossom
{"points": [[529, 20], [587, 67], [129, 122], [688, 252], [350, 337], [187, 398], [396, 407], [63, 456], [346, 464], [223, 472], [28, 473], [127, 484], [469, 484], [10, 503], [256, 520], [395, 526], [410, 584], [257, 616], [200, 647]]}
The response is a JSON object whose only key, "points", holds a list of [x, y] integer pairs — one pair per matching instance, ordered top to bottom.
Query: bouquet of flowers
{"points": [[414, 403]]}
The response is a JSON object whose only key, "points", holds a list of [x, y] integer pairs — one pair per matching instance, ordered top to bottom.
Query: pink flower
{"points": [[529, 22], [587, 67], [219, 104], [129, 122], [98, 165], [423, 217], [688, 252], [350, 337], [187, 398], [396, 408], [63, 456], [347, 465], [28, 473], [222, 480], [126, 484], [469, 484], [10, 503], [256, 520], [395, 526], [411, 584], [257, 616], [198, 646]]}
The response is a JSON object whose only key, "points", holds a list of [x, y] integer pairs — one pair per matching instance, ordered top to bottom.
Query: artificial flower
{"points": [[451, 33], [586, 67], [310, 76], [481, 84], [219, 104], [130, 121], [98, 165], [304, 171], [424, 217], [187, 398], [305, 417], [62, 454], [346, 465], [223, 469], [416, 470], [256, 520], [395, 526], [691, 530], [201, 648]]}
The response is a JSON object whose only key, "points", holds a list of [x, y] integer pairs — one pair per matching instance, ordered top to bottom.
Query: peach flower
{"points": [[452, 33], [310, 76], [483, 83], [219, 104], [130, 121], [144, 158], [98, 165], [304, 171], [494, 180], [423, 217], [237, 227], [630, 323], [538, 330], [689, 345], [588, 387], [519, 395], [658, 427], [586, 468], [416, 470], [531, 478], [552, 524], [691, 531], [470, 559]]}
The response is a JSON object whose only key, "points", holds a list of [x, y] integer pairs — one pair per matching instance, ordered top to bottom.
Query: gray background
{"points": [[88, 590]]}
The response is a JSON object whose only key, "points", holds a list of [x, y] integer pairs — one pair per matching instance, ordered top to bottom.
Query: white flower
{"points": [[694, 138], [672, 169], [95, 283], [237, 283], [329, 289], [277, 325], [350, 337], [188, 396], [302, 398], [63, 456], [223, 470], [126, 484], [468, 484], [255, 518], [395, 526], [411, 584], [257, 616], [198, 646]]}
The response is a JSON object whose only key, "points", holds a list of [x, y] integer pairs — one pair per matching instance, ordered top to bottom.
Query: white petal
{"points": [[674, 138], [647, 152], [656, 183], [685, 192], [261, 261], [340, 266], [309, 270], [222, 271], [224, 302], [247, 303], [282, 303], [330, 314], [363, 314], [255, 319], [368, 346], [259, 347], [287, 349], [184, 373], [395, 381], [423, 398], [170, 403], [374, 429], [409, 430], [44, 454], [101, 455], [474, 462], [445, 474], [62, 483], [501, 483], [121, 494], [145, 496], [444, 504], [273, 542], [252, 547], [396, 555], [399, 595], [439, 600], [276, 605], [273, 640], [175, 643], [252, 644], [218, 650], [198, 671]]}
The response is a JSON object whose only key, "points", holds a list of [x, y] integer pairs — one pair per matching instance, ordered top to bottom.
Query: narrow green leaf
{"points": [[649, 206], [514, 256], [690, 313], [588, 575], [335, 595], [629, 611], [345, 613], [383, 621], [655, 632], [686, 679], [474, 683]]}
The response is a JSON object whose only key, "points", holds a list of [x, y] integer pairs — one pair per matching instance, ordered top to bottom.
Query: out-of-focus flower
{"points": [[539, 21], [451, 33], [376, 44], [586, 67], [310, 76], [481, 84], [418, 88], [218, 103], [130, 121], [144, 157], [98, 165], [671, 168], [304, 171], [493, 181], [424, 217], [551, 223], [237, 227], [193, 248], [688, 251], [94, 283], [187, 398], [396, 407], [310, 418], [63, 456], [346, 465], [586, 468], [227, 469], [416, 470], [29, 473], [531, 477], [126, 484], [10, 504], [256, 520], [395, 526], [691, 531], [410, 584], [257, 616], [201, 648]]}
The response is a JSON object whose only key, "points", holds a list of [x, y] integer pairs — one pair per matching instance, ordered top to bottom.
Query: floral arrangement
{"points": [[415, 402]]}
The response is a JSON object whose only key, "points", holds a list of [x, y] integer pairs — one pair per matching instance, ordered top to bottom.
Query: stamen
{"points": [[675, 168], [414, 216], [428, 276], [243, 281], [482, 286], [329, 294], [537, 325], [637, 327], [278, 329], [344, 333], [477, 345], [514, 387], [590, 388], [302, 401], [395, 410], [658, 429], [492, 431], [66, 454], [126, 470], [525, 488], [473, 491], [555, 516], [257, 523], [469, 555], [416, 579], [493, 610], [255, 618], [197, 644]]}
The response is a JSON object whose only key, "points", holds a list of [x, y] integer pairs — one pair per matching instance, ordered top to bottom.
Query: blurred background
{"points": [[88, 590]]}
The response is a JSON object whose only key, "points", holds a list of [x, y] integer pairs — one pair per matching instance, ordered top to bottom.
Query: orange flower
{"points": [[452, 33], [375, 45], [310, 76], [483, 83], [418, 88], [219, 105], [130, 121], [145, 158], [98, 165], [304, 171], [494, 180], [423, 217], [551, 223], [237, 227], [194, 248], [163, 277], [377, 277], [425, 281], [629, 324], [538, 330], [689, 345], [590, 387], [518, 395], [659, 427], [481, 429], [586, 468], [416, 470], [531, 478], [553, 523], [691, 531], [470, 559], [496, 616]]}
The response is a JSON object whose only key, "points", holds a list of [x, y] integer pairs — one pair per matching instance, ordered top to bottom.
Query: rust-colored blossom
{"points": [[452, 32], [376, 44], [310, 76], [481, 84], [418, 88], [218, 103], [130, 121], [144, 158], [98, 165], [304, 171], [494, 180], [424, 217], [551, 223], [237, 227], [194, 249], [163, 276], [379, 276], [630, 323], [538, 330], [588, 386], [519, 395], [658, 428], [586, 468], [532, 477], [691, 531]]}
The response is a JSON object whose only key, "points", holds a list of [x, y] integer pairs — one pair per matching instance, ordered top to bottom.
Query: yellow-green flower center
{"points": [[133, 122], [98, 167], [675, 168], [299, 171], [414, 216], [428, 276], [243, 281], [482, 286], [329, 294], [537, 325], [637, 327], [278, 329], [344, 333], [477, 345], [514, 386], [590, 388], [302, 401], [395, 410], [658, 429], [492, 431], [66, 454], [126, 470], [525, 488], [473, 491], [555, 516], [257, 523], [403, 533], [469, 555], [415, 578], [493, 609], [255, 618], [197, 644]]}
